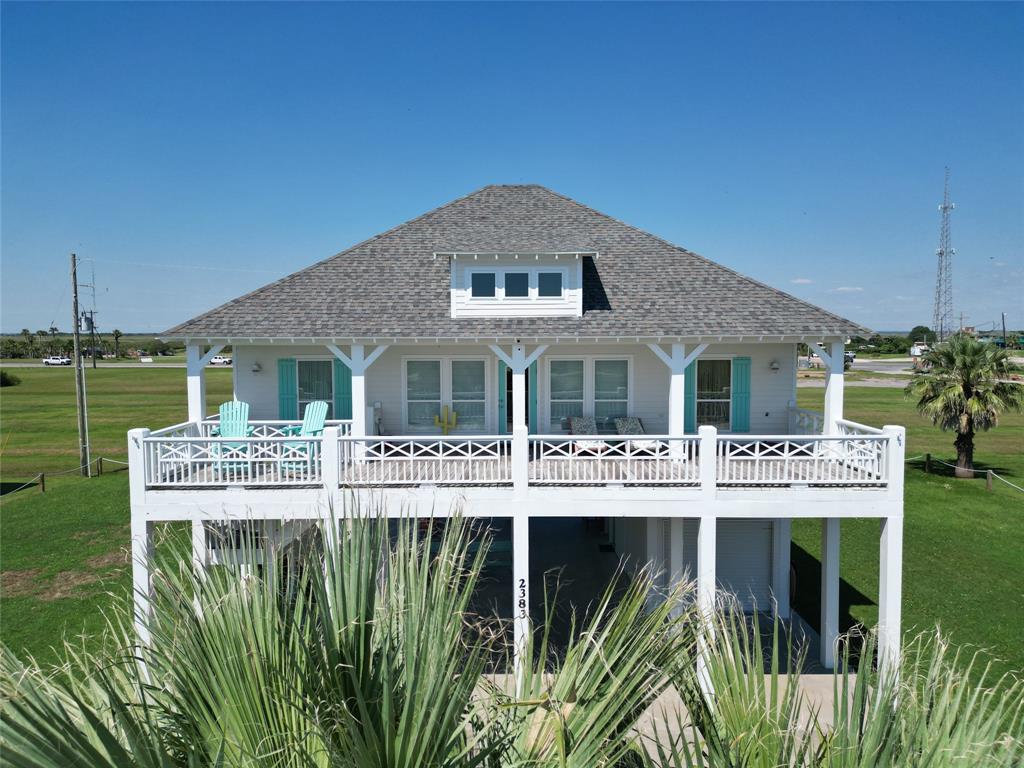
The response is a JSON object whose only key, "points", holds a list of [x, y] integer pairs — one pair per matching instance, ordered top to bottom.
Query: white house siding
{"points": [[770, 391], [743, 559]]}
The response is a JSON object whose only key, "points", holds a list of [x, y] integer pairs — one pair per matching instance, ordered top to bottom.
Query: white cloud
{"points": [[801, 281], [847, 289]]}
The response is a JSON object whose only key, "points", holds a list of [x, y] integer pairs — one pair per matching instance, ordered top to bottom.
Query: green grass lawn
{"points": [[38, 430], [64, 553], [963, 558]]}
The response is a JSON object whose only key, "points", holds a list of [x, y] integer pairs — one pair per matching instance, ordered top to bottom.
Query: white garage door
{"points": [[743, 560]]}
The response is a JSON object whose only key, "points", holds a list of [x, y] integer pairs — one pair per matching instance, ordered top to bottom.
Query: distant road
{"points": [[100, 364], [892, 365]]}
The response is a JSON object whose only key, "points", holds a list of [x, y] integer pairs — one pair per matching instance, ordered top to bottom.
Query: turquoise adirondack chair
{"points": [[234, 422], [298, 453]]}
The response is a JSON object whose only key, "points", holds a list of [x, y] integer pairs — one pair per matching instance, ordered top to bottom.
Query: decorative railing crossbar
{"points": [[191, 455], [419, 460], [585, 460], [784, 460]]}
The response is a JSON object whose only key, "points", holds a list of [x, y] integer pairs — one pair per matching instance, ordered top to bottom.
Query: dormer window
{"points": [[483, 285], [517, 285], [549, 285]]}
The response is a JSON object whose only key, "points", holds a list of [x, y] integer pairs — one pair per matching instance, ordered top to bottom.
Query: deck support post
{"points": [[195, 365], [708, 455], [330, 465], [142, 539], [781, 541], [707, 548], [890, 558], [676, 568], [890, 589], [829, 591], [521, 596]]}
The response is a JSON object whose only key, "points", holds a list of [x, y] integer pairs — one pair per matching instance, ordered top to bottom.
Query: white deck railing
{"points": [[805, 422], [191, 455], [604, 459], [419, 460], [785, 460]]}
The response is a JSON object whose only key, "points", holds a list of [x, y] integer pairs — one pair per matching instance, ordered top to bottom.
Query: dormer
{"points": [[517, 284]]}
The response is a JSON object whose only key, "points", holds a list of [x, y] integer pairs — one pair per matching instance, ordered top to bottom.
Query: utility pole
{"points": [[1004, 331], [83, 418]]}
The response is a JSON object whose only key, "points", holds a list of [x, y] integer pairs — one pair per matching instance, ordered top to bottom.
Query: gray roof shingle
{"points": [[392, 285]]}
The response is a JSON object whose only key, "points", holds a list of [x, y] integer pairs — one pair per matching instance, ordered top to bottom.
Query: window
{"points": [[483, 285], [517, 285], [549, 285], [567, 381], [316, 382], [588, 386], [423, 392], [469, 393], [611, 393], [714, 393]]}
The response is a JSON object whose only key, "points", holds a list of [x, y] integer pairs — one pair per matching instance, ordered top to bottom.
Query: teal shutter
{"points": [[287, 389], [342, 390], [741, 394], [533, 398], [690, 398], [502, 405]]}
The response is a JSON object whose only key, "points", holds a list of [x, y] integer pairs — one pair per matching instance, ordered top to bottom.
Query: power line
{"points": [[189, 266]]}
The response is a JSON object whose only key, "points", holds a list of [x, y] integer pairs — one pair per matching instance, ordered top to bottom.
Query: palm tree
{"points": [[30, 341], [117, 342], [963, 387]]}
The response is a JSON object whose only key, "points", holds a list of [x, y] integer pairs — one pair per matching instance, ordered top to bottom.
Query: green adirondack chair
{"points": [[234, 422], [297, 454]]}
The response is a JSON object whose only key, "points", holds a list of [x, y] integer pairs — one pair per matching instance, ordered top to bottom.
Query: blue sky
{"points": [[197, 151]]}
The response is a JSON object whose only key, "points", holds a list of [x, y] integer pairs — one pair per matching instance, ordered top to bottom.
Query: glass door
{"points": [[454, 391], [469, 394]]}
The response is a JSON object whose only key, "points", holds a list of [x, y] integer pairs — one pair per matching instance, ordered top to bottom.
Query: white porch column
{"points": [[677, 362], [519, 363], [358, 368], [195, 372], [834, 387], [781, 540], [707, 546], [829, 590], [890, 592], [520, 596]]}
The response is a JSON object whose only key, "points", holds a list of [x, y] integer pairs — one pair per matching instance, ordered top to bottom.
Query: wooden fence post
{"points": [[927, 463], [99, 466], [988, 481], [42, 482]]}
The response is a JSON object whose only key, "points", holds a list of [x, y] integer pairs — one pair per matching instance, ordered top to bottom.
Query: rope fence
{"points": [[989, 474], [40, 477]]}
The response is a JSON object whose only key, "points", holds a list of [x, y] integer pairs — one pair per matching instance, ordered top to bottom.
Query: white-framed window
{"points": [[535, 284], [315, 382], [458, 384], [598, 386], [714, 393]]}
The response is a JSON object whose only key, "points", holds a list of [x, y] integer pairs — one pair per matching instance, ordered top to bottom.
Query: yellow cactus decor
{"points": [[443, 422]]}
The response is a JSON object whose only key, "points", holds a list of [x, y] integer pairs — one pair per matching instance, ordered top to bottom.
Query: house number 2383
{"points": [[521, 599]]}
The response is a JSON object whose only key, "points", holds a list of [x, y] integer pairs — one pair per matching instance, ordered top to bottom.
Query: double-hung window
{"points": [[316, 382], [597, 387], [714, 393]]}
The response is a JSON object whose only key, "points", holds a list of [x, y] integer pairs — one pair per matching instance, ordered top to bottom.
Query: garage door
{"points": [[743, 559]]}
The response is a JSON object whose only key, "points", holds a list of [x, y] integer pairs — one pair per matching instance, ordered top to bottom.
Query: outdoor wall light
{"points": [[774, 365], [256, 367]]}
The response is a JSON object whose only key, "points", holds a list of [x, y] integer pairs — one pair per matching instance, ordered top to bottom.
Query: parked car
{"points": [[56, 360], [220, 360]]}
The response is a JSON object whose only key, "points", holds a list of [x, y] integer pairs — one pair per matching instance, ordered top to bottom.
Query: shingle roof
{"points": [[392, 285]]}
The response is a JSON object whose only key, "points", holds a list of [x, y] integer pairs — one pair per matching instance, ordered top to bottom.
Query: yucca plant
{"points": [[370, 656]]}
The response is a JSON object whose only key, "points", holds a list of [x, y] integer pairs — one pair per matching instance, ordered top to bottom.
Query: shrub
{"points": [[8, 379], [373, 657]]}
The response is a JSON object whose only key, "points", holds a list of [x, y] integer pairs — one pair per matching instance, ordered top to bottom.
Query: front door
{"points": [[446, 396]]}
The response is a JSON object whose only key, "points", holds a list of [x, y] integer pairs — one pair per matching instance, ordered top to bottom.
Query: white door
{"points": [[453, 391], [743, 559]]}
